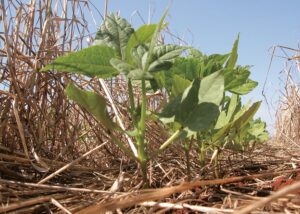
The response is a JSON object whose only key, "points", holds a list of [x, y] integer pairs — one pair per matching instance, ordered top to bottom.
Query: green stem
{"points": [[131, 101], [142, 126], [167, 143], [142, 156]]}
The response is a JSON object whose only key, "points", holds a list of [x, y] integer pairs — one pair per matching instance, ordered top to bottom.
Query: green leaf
{"points": [[115, 32], [143, 35], [153, 42], [194, 53], [137, 55], [234, 55], [164, 56], [218, 58], [93, 62], [121, 66], [187, 68], [138, 74], [235, 77], [237, 80], [179, 85], [248, 86], [212, 89], [93, 103], [233, 104], [197, 108], [169, 111], [247, 116], [201, 117], [241, 119], [222, 120], [257, 129], [221, 133]]}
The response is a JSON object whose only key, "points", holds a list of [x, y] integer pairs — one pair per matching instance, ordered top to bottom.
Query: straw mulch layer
{"points": [[55, 158], [246, 179]]}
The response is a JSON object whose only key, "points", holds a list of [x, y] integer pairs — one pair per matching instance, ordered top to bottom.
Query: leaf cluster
{"points": [[204, 91]]}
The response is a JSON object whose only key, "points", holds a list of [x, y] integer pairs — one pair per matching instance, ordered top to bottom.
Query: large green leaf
{"points": [[115, 32], [143, 35], [163, 58], [93, 62], [212, 63], [185, 68], [188, 68], [212, 89], [92, 102], [197, 108], [196, 114], [201, 117]]}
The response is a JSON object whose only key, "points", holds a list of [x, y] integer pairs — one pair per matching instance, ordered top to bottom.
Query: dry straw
{"points": [[288, 112], [41, 131]]}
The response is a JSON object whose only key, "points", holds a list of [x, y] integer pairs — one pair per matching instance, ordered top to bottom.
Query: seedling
{"points": [[196, 84]]}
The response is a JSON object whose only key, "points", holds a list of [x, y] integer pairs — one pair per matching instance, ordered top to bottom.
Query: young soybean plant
{"points": [[121, 50], [233, 121]]}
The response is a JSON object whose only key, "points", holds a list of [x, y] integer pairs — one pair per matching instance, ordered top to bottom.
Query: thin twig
{"points": [[55, 187], [156, 194], [262, 202], [56, 203], [186, 206]]}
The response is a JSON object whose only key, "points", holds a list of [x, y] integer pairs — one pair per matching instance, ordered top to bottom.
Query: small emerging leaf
{"points": [[115, 33], [143, 35], [234, 55], [164, 56]]}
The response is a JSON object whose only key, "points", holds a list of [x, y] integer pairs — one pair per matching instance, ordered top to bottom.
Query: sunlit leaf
{"points": [[115, 32], [143, 35], [233, 55], [164, 56], [93, 62], [121, 66], [245, 88], [212, 89], [198, 106]]}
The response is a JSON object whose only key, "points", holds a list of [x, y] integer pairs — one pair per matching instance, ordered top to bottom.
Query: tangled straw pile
{"points": [[288, 112], [41, 131]]}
